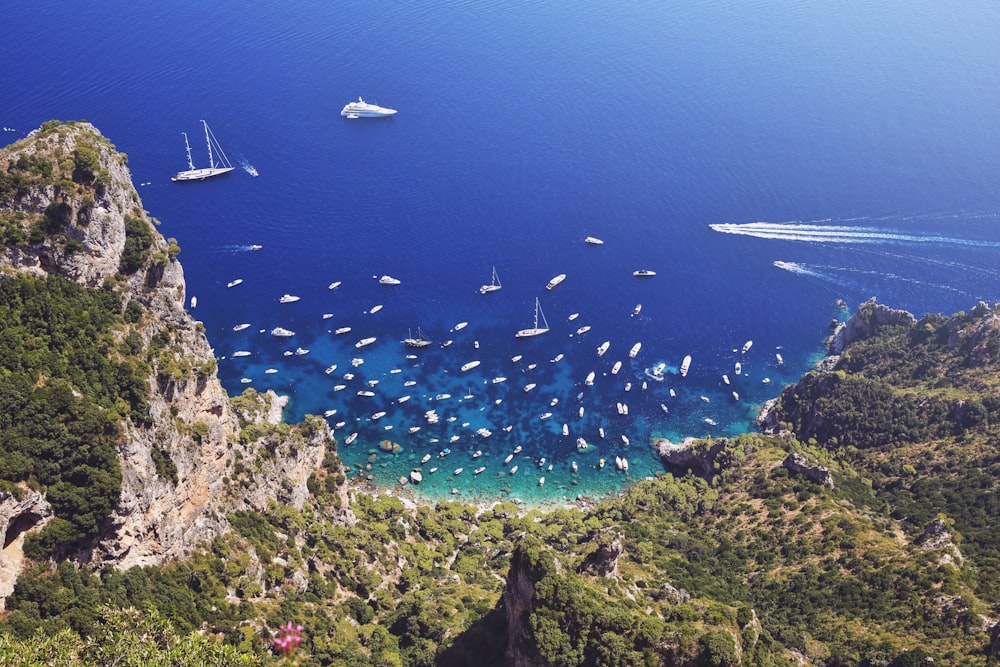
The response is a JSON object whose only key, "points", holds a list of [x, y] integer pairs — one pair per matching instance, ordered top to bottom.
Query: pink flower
{"points": [[288, 639]]}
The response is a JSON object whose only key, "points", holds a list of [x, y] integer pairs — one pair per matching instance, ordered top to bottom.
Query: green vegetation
{"points": [[64, 390]]}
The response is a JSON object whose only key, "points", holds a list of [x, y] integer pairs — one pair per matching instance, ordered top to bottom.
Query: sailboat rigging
{"points": [[223, 166], [493, 286], [536, 330]]}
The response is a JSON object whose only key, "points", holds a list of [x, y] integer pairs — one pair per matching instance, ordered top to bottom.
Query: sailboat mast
{"points": [[187, 146], [211, 160]]}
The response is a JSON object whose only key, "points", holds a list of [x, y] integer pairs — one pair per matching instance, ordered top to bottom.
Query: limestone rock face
{"points": [[869, 317], [685, 456], [800, 465], [18, 514], [160, 515], [603, 561]]}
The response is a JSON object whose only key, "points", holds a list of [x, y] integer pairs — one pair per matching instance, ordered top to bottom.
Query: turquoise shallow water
{"points": [[696, 140]]}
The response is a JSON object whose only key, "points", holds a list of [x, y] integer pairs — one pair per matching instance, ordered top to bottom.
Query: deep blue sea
{"points": [[856, 144]]}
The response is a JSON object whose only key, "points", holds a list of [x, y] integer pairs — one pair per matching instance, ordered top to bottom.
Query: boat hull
{"points": [[200, 174]]}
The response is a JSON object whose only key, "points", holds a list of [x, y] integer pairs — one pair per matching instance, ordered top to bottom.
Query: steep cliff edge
{"points": [[68, 207]]}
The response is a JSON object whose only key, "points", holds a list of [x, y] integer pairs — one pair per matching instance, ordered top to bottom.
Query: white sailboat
{"points": [[223, 166], [494, 284], [536, 330]]}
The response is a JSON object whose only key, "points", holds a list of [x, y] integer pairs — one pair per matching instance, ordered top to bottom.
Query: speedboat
{"points": [[362, 109], [593, 240], [643, 273], [389, 280], [556, 281], [234, 283], [333, 285], [288, 298], [375, 309], [637, 309], [327, 316], [573, 316], [461, 325], [241, 327], [584, 329], [342, 330], [282, 332], [365, 341], [603, 347], [746, 347], [301, 350], [634, 351], [241, 353], [777, 357], [516, 358], [470, 365], [685, 365], [617, 367], [738, 368], [271, 371], [590, 378], [725, 378], [499, 379], [246, 380], [529, 386], [339, 387], [367, 393], [736, 396], [402, 399], [377, 416], [711, 422], [565, 429], [351, 438], [581, 445], [509, 458], [425, 459], [478, 470], [513, 470], [458, 471], [541, 481]]}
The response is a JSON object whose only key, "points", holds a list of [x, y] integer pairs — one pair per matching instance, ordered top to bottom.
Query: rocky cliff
{"points": [[195, 457]]}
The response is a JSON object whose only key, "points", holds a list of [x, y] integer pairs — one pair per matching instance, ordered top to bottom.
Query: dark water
{"points": [[523, 128]]}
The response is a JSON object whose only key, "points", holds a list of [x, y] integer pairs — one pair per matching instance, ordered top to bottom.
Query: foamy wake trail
{"points": [[785, 231], [803, 270]]}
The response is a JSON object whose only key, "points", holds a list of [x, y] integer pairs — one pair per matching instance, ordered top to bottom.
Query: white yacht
{"points": [[362, 109], [213, 169], [593, 240], [643, 273], [389, 280], [556, 281], [234, 283], [494, 284], [333, 285], [288, 298], [375, 309], [573, 316], [461, 325], [241, 327], [584, 329], [342, 330], [536, 330], [282, 332], [420, 340], [365, 341], [603, 347], [746, 347], [301, 350], [634, 351], [241, 353], [777, 357], [470, 365], [685, 365], [617, 367], [738, 368], [590, 378], [498, 379], [529, 386], [351, 438], [478, 470]]}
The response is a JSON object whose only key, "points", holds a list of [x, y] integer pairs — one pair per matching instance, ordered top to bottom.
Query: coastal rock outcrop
{"points": [[869, 317], [690, 454], [196, 457], [800, 465], [20, 512], [603, 561], [527, 567]]}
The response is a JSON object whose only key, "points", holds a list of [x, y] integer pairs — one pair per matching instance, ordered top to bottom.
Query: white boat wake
{"points": [[248, 168], [788, 231]]}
